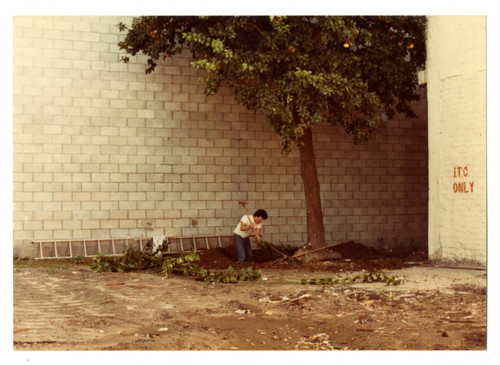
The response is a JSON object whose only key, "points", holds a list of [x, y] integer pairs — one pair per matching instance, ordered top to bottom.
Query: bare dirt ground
{"points": [[66, 306]]}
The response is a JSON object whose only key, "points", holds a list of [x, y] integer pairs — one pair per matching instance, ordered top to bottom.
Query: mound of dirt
{"points": [[353, 250], [356, 254], [218, 258]]}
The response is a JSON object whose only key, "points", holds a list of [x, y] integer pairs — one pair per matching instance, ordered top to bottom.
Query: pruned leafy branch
{"points": [[133, 259], [183, 264], [187, 265], [375, 276]]}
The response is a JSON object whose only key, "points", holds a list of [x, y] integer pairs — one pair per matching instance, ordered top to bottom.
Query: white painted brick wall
{"points": [[456, 69], [101, 149]]}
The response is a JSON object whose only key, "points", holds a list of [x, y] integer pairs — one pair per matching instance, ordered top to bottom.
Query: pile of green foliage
{"points": [[133, 259], [147, 259], [103, 263], [184, 264], [369, 277]]}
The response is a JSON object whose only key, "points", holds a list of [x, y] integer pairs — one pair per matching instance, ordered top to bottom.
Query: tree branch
{"points": [[254, 25]]}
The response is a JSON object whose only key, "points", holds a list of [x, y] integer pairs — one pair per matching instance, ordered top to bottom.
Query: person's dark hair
{"points": [[260, 213]]}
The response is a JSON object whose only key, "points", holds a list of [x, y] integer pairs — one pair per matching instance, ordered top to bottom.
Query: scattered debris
{"points": [[283, 298], [242, 311], [431, 311], [320, 341]]}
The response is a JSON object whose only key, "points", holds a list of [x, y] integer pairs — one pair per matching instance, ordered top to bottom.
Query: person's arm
{"points": [[246, 226], [257, 235]]}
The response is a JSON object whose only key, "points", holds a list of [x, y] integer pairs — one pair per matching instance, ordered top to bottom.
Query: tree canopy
{"points": [[300, 70]]}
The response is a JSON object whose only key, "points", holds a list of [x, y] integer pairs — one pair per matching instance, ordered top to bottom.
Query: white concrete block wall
{"points": [[456, 74], [103, 150]]}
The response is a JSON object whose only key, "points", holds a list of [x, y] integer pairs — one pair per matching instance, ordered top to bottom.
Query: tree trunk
{"points": [[315, 227]]}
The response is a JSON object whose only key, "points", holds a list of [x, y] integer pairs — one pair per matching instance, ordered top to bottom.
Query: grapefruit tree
{"points": [[352, 71]]}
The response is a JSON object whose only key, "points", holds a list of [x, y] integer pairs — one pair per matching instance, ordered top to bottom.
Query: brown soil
{"points": [[355, 257], [65, 306]]}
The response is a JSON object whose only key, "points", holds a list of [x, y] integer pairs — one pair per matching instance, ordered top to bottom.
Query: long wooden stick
{"points": [[243, 204], [318, 249], [281, 253]]}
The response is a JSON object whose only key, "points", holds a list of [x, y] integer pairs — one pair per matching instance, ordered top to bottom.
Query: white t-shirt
{"points": [[244, 219]]}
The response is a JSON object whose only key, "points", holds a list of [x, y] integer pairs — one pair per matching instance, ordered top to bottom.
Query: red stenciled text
{"points": [[463, 186]]}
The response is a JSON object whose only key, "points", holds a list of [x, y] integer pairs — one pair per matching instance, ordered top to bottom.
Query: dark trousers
{"points": [[243, 248]]}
